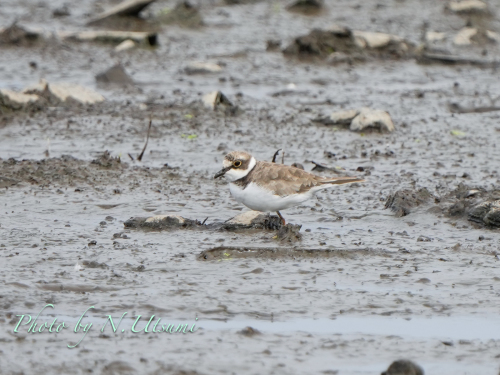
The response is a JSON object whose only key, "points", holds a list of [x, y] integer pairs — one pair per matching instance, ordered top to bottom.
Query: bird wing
{"points": [[286, 180]]}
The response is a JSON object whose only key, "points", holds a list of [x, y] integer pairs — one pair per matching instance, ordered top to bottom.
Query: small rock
{"points": [[468, 6], [308, 7], [126, 8], [62, 11], [184, 14], [17, 35], [434, 36], [493, 36], [149, 38], [463, 38], [366, 39], [125, 45], [199, 67], [115, 75], [69, 93], [216, 100], [17, 101], [343, 117], [372, 118], [404, 200], [486, 213], [173, 219], [253, 219], [161, 222], [289, 233], [423, 280], [249, 332], [404, 367]]}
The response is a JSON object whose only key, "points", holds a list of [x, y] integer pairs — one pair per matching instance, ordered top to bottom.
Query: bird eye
{"points": [[237, 163]]}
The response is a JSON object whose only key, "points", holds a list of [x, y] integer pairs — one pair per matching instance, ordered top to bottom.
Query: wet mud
{"points": [[404, 266]]}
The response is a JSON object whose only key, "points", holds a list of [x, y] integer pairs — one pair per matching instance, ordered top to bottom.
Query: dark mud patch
{"points": [[185, 14], [16, 35], [346, 45], [67, 171], [403, 201], [162, 222], [230, 252], [403, 367]]}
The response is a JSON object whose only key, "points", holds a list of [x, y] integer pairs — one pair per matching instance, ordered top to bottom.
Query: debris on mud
{"points": [[307, 7], [468, 7], [129, 8], [184, 14], [18, 36], [146, 38], [357, 44], [125, 45], [429, 57], [200, 67], [115, 75], [64, 93], [216, 100], [15, 101], [458, 108], [372, 118], [360, 119], [108, 161], [7, 182], [403, 201], [486, 213], [253, 220], [161, 222], [289, 233], [282, 252], [94, 264], [249, 332], [403, 367]]}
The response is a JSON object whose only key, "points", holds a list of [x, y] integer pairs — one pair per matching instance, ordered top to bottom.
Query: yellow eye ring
{"points": [[237, 163]]}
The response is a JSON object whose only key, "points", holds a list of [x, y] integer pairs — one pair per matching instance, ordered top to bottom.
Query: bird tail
{"points": [[341, 180]]}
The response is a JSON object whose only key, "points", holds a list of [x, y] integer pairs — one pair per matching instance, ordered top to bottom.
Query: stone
{"points": [[468, 6], [126, 8], [111, 36], [434, 36], [463, 38], [366, 39], [125, 45], [199, 67], [114, 75], [65, 92], [216, 98], [16, 100], [343, 117], [372, 118], [403, 201], [486, 213], [254, 220], [161, 222], [404, 367]]}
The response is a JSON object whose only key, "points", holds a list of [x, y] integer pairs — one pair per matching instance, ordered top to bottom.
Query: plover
{"points": [[267, 187]]}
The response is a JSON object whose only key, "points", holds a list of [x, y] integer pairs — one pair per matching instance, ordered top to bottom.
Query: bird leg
{"points": [[281, 217]]}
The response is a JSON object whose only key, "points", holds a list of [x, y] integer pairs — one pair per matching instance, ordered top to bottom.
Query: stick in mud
{"points": [[147, 139], [275, 155]]}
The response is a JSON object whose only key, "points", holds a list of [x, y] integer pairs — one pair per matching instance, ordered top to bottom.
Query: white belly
{"points": [[259, 199]]}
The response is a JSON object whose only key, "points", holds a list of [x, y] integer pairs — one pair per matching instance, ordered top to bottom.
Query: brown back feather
{"points": [[288, 180]]}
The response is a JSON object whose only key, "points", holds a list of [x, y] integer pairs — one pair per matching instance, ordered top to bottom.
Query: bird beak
{"points": [[222, 172]]}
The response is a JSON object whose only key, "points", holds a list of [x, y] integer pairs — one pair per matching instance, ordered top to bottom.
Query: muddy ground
{"points": [[362, 288]]}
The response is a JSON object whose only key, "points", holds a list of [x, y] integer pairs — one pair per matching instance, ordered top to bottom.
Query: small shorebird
{"points": [[267, 187]]}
